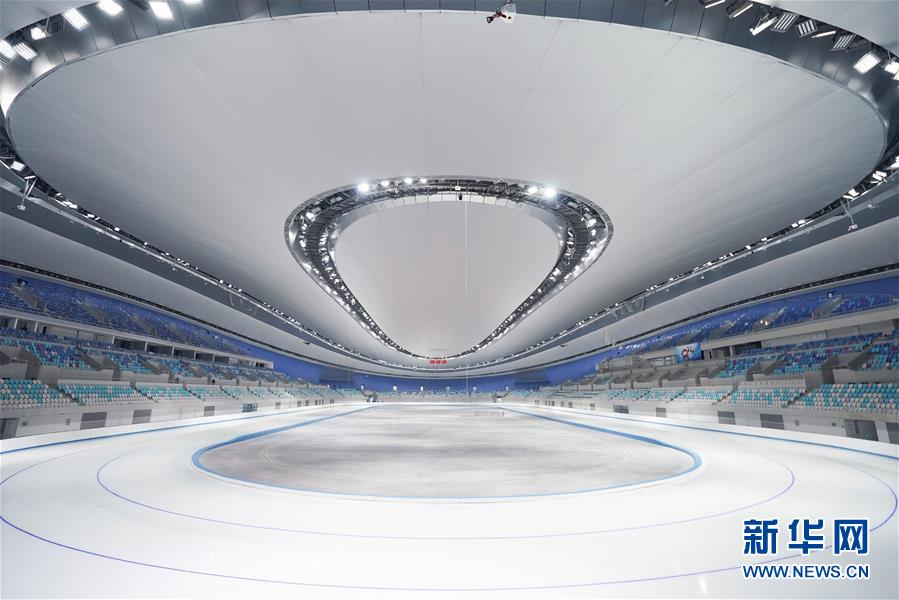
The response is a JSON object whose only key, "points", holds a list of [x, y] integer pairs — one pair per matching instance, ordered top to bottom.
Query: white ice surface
{"points": [[132, 517]]}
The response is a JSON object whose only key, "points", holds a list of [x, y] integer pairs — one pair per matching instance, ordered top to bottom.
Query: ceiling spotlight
{"points": [[710, 3], [110, 7], [738, 8], [162, 10], [75, 19], [766, 21], [784, 22], [807, 27], [38, 32], [825, 33], [842, 42], [7, 50], [25, 51], [867, 62], [892, 66], [17, 166], [422, 180], [407, 181], [384, 183], [363, 187], [532, 189], [549, 193]]}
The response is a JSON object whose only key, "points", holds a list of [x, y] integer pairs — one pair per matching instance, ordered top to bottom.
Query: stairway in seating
{"points": [[827, 308]]}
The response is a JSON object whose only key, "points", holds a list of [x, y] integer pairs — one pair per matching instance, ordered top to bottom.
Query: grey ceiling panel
{"points": [[387, 4], [422, 4], [350, 5], [318, 6], [531, 7], [285, 8], [253, 9], [564, 9], [601, 10], [222, 11], [629, 12], [194, 15], [658, 16], [687, 18], [143, 21], [175, 23], [714, 24], [99, 26], [122, 27], [738, 29], [762, 41], [75, 44], [781, 44], [792, 48], [818, 53], [49, 55], [845, 61], [832, 63]]}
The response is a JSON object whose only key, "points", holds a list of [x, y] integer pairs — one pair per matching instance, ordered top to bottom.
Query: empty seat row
{"points": [[28, 393]]}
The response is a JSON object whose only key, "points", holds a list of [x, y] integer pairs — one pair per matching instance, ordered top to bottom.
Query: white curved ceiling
{"points": [[203, 142], [438, 277]]}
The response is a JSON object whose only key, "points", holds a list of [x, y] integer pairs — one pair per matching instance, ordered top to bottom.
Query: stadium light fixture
{"points": [[710, 3], [110, 7], [738, 8], [162, 10], [75, 19], [766, 21], [784, 22], [806, 28], [38, 32], [842, 42], [7, 50], [25, 51], [867, 62], [892, 66], [17, 166], [422, 180], [407, 181], [384, 183], [363, 187], [532, 189], [550, 193]]}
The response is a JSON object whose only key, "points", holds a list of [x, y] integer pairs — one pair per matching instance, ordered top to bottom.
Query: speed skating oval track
{"points": [[137, 511]]}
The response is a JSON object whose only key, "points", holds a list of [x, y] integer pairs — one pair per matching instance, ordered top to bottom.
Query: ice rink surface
{"points": [[446, 452], [552, 503]]}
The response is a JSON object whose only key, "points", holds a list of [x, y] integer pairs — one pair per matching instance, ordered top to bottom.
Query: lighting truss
{"points": [[314, 227]]}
